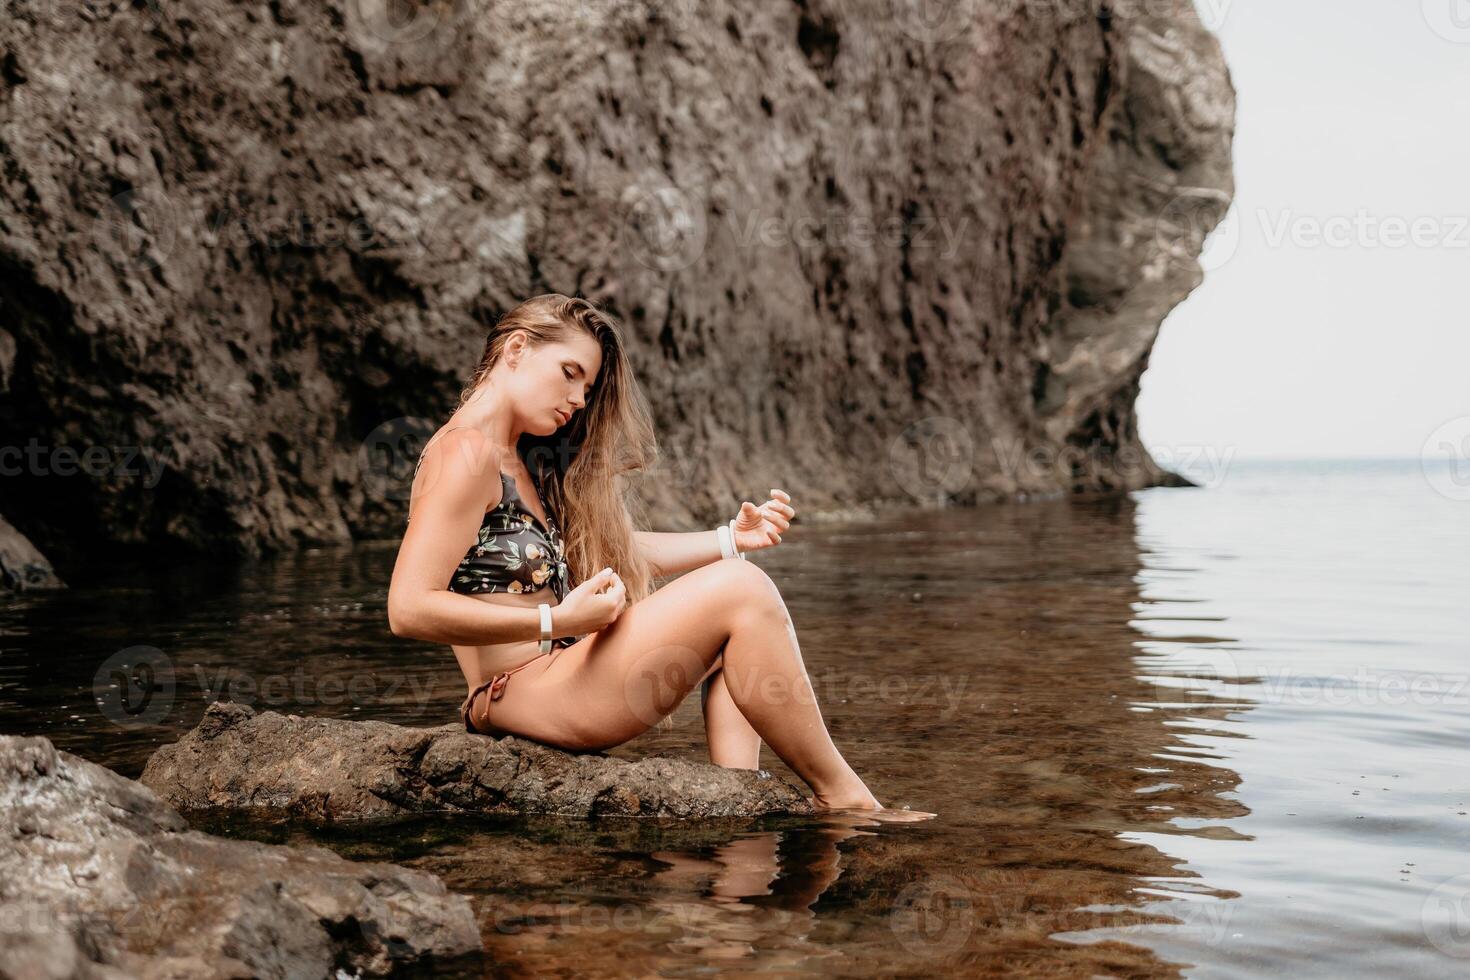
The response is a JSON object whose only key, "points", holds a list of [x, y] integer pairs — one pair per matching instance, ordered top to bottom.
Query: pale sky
{"points": [[1322, 328]]}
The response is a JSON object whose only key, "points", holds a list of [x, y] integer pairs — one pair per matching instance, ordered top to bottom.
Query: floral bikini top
{"points": [[513, 551]]}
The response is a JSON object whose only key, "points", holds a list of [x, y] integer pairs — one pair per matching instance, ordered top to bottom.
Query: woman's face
{"points": [[551, 382]]}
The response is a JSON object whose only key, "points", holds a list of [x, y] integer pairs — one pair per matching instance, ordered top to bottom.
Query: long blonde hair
{"points": [[580, 468]]}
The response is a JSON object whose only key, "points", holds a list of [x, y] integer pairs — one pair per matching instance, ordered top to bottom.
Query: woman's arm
{"points": [[453, 489], [676, 552], [672, 553], [441, 616]]}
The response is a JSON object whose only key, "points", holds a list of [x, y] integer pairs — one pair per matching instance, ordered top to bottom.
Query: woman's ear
{"points": [[513, 349]]}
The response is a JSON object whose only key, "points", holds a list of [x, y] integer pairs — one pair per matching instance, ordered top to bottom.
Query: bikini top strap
{"points": [[426, 445], [426, 449]]}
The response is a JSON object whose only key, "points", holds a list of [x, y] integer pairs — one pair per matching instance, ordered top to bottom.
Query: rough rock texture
{"points": [[1161, 183], [246, 250], [22, 567], [326, 771], [99, 878]]}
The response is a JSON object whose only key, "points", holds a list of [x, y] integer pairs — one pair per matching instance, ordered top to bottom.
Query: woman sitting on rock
{"points": [[529, 471]]}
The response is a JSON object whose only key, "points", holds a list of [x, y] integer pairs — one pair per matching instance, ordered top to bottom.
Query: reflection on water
{"points": [[1343, 587], [1098, 698]]}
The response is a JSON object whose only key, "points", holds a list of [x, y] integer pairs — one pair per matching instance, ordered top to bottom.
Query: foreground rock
{"points": [[328, 771], [100, 878]]}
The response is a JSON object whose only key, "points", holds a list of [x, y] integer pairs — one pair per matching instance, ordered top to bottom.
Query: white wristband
{"points": [[727, 541], [732, 541], [545, 645]]}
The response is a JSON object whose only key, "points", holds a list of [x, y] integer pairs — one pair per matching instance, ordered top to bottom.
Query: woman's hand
{"points": [[761, 527], [592, 605]]}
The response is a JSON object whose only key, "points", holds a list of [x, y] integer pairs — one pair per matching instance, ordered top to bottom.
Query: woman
{"points": [[551, 420]]}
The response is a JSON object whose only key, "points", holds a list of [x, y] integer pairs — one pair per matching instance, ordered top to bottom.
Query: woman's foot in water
{"points": [[866, 804]]}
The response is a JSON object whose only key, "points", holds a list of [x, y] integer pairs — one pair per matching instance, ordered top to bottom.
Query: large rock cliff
{"points": [[864, 249]]}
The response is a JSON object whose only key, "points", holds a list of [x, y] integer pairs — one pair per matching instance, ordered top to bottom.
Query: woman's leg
{"points": [[617, 683], [732, 742]]}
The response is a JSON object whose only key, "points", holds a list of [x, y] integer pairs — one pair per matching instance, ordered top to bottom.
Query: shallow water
{"points": [[1206, 732]]}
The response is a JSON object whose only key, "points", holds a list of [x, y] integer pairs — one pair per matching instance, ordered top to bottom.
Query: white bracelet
{"points": [[726, 534], [732, 541], [545, 645]]}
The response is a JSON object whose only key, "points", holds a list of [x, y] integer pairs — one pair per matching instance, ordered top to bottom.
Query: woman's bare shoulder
{"points": [[459, 468]]}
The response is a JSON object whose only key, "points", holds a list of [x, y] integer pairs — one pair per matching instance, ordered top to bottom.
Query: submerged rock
{"points": [[328, 771], [100, 878]]}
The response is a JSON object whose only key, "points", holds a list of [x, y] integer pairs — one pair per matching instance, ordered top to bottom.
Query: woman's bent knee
{"points": [[736, 586]]}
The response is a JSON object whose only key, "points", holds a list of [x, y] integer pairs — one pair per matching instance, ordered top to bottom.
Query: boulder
{"points": [[326, 771], [99, 878]]}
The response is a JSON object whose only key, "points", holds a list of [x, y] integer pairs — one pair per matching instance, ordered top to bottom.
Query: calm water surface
{"points": [[1196, 732]]}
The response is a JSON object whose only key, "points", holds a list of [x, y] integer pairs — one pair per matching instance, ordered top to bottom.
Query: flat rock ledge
{"points": [[326, 771], [99, 878]]}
